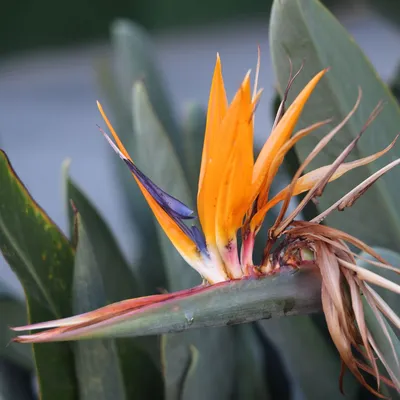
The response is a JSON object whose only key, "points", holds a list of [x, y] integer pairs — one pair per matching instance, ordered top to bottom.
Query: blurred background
{"points": [[49, 52]]}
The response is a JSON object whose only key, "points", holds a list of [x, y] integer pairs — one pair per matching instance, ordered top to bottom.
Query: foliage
{"points": [[46, 24], [87, 270]]}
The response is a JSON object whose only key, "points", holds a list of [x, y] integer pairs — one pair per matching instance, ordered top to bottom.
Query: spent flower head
{"points": [[233, 199]]}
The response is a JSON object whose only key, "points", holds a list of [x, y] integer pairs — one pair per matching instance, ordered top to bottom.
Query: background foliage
{"points": [[32, 23], [61, 275]]}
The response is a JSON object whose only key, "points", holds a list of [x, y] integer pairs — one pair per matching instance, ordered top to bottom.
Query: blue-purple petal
{"points": [[165, 200], [172, 206], [199, 239]]}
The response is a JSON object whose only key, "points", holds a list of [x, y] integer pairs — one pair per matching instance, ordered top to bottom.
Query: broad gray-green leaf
{"points": [[305, 30], [135, 60], [395, 84], [194, 125], [42, 258], [117, 275], [392, 299], [13, 313], [307, 354], [251, 368], [98, 369], [141, 376], [208, 380], [15, 382]]}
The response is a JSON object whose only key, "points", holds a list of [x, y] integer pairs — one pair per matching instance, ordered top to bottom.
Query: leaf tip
{"points": [[4, 155], [65, 165]]}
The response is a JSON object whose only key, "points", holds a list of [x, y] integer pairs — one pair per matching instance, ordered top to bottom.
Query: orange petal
{"points": [[217, 107], [113, 133], [280, 135], [218, 152], [279, 157], [307, 181], [234, 191], [185, 246]]}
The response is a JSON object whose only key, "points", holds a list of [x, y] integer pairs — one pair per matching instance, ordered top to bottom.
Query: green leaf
{"points": [[305, 30], [134, 60], [395, 84], [194, 125], [33, 246], [42, 258], [118, 275], [392, 299], [13, 313], [307, 354], [184, 360], [54, 361], [97, 366], [251, 368], [142, 379], [15, 382]]}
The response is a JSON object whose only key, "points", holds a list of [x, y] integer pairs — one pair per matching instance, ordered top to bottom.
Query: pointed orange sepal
{"points": [[280, 135], [217, 154], [185, 245]]}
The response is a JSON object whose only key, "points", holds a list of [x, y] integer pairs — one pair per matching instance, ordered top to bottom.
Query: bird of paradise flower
{"points": [[233, 196]]}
